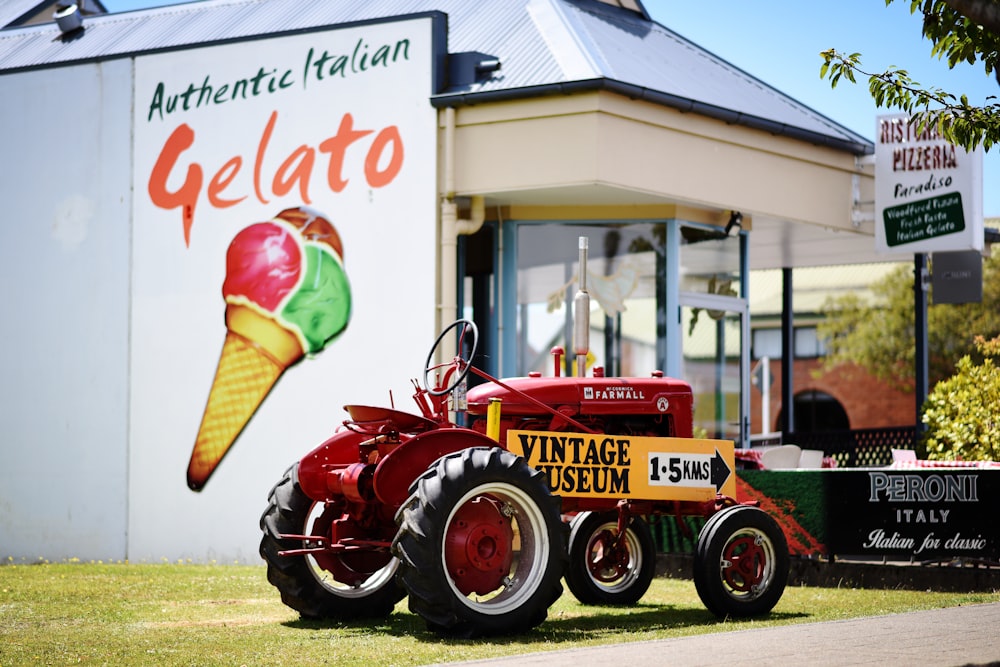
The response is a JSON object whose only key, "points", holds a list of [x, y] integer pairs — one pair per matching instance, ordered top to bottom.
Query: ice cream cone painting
{"points": [[287, 296]]}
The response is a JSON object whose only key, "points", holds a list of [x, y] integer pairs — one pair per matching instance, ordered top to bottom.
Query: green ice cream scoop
{"points": [[321, 305]]}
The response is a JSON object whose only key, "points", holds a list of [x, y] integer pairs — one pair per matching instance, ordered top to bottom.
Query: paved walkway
{"points": [[953, 637]]}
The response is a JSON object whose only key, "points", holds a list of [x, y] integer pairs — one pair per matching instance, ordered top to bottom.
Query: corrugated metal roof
{"points": [[545, 47]]}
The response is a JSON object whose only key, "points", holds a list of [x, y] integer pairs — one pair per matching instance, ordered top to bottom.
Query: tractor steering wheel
{"points": [[458, 363]]}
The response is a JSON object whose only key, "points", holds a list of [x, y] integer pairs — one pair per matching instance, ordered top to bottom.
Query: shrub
{"points": [[962, 413]]}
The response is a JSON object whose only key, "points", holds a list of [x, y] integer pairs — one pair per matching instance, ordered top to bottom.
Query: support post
{"points": [[920, 334], [787, 353]]}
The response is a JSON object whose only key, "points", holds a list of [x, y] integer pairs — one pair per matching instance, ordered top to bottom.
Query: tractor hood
{"points": [[588, 395]]}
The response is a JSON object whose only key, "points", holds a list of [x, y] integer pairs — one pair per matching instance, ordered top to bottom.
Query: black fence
{"points": [[860, 447]]}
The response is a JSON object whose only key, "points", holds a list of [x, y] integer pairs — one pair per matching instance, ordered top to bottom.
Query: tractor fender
{"points": [[338, 450], [397, 470]]}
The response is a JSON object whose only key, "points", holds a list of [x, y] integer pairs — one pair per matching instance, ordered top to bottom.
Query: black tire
{"points": [[482, 544], [699, 554], [741, 562], [601, 575], [304, 584]]}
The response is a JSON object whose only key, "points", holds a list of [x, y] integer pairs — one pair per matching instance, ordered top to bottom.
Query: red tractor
{"points": [[551, 478]]}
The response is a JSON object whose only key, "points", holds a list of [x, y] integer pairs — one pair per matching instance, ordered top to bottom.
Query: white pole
{"points": [[765, 392]]}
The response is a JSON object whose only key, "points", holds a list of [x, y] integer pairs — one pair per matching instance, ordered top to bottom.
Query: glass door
{"points": [[714, 329], [712, 363]]}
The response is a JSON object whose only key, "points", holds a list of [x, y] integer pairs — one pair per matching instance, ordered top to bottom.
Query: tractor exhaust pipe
{"points": [[581, 315]]}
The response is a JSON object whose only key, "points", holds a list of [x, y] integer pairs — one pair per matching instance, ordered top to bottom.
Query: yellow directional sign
{"points": [[617, 466]]}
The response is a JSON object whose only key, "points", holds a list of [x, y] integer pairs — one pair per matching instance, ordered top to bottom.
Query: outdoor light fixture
{"points": [[487, 66], [469, 67], [735, 220]]}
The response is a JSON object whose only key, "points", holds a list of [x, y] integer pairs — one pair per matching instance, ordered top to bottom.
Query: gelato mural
{"points": [[265, 168]]}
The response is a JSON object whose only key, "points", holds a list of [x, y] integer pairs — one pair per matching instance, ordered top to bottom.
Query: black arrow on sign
{"points": [[720, 471]]}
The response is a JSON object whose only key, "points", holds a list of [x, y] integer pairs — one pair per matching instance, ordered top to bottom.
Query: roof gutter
{"points": [[858, 146]]}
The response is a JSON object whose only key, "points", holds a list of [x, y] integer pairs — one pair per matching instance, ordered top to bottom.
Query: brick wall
{"points": [[868, 402]]}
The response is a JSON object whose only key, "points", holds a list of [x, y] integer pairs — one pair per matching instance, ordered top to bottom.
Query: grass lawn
{"points": [[165, 614]]}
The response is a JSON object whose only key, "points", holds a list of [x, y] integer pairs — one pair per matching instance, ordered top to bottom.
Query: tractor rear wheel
{"points": [[482, 544], [741, 562], [605, 569], [307, 583]]}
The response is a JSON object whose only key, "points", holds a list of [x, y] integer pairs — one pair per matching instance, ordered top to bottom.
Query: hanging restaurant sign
{"points": [[928, 192]]}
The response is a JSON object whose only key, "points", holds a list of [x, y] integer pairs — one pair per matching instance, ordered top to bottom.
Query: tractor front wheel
{"points": [[481, 544], [741, 562], [606, 568], [342, 587]]}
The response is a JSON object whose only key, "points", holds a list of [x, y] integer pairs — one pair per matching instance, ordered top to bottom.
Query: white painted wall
{"points": [[64, 276]]}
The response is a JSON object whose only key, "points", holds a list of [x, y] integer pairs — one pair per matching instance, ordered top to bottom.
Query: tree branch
{"points": [[956, 120]]}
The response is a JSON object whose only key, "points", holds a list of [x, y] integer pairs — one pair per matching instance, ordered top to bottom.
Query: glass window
{"points": [[710, 262], [623, 264], [767, 343], [808, 344], [712, 366]]}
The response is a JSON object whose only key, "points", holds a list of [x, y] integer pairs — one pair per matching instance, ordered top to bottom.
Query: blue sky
{"points": [[779, 41]]}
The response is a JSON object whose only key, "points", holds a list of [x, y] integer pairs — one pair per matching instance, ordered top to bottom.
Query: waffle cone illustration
{"points": [[287, 296], [254, 355]]}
